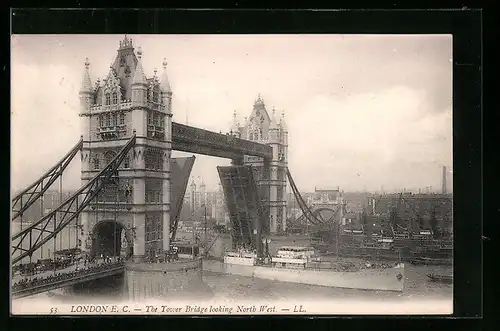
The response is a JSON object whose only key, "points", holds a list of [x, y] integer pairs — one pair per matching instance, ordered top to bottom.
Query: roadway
{"points": [[17, 277], [48, 280]]}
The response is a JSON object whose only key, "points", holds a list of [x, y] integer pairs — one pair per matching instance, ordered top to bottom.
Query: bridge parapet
{"points": [[113, 107], [181, 265]]}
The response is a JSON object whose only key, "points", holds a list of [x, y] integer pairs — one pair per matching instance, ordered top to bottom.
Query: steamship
{"points": [[303, 265]]}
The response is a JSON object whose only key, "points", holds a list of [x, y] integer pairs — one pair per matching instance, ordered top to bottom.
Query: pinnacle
{"points": [[86, 81]]}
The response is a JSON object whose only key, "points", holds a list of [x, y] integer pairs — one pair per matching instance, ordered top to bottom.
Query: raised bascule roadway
{"points": [[133, 189]]}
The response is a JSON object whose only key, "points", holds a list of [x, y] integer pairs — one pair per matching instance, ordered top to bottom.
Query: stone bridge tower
{"points": [[265, 129], [131, 215]]}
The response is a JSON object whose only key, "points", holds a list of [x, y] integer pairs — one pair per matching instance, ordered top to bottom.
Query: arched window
{"points": [[155, 95], [115, 98], [108, 99], [122, 118], [114, 119], [108, 120], [101, 121], [250, 136], [109, 156], [96, 162], [126, 162]]}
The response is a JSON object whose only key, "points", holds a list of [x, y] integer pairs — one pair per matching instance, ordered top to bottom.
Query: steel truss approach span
{"points": [[22, 201], [68, 210], [307, 212], [323, 218]]}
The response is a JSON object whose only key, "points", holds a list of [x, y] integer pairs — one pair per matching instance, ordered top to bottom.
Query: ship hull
{"points": [[435, 257], [388, 279]]}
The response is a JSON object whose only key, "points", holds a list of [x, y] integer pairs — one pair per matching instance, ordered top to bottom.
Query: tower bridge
{"points": [[132, 189]]}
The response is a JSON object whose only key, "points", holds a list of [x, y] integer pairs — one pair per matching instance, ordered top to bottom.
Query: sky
{"points": [[364, 112]]}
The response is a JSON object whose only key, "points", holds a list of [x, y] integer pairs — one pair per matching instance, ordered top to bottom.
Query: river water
{"points": [[232, 287]]}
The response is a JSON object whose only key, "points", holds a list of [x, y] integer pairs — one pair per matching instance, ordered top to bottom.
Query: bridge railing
{"points": [[26, 284]]}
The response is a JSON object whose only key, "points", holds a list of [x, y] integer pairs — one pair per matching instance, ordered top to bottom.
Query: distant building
{"points": [[197, 198], [330, 198], [50, 201], [414, 208]]}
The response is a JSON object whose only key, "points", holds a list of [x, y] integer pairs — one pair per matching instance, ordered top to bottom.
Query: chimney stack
{"points": [[443, 189]]}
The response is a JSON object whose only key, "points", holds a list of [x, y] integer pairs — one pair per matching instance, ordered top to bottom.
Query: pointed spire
{"points": [[126, 43], [139, 77], [86, 82], [165, 84], [259, 101], [282, 122], [274, 124], [235, 128]]}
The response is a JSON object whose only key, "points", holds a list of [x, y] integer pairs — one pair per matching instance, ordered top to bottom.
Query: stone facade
{"points": [[111, 111], [176, 280]]}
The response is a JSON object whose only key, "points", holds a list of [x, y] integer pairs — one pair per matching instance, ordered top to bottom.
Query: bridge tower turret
{"points": [[86, 94], [166, 95], [139, 96], [87, 97], [166, 108], [273, 141], [283, 163]]}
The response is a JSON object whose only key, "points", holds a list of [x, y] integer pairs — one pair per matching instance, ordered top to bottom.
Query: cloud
{"points": [[362, 111], [44, 120], [367, 137]]}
